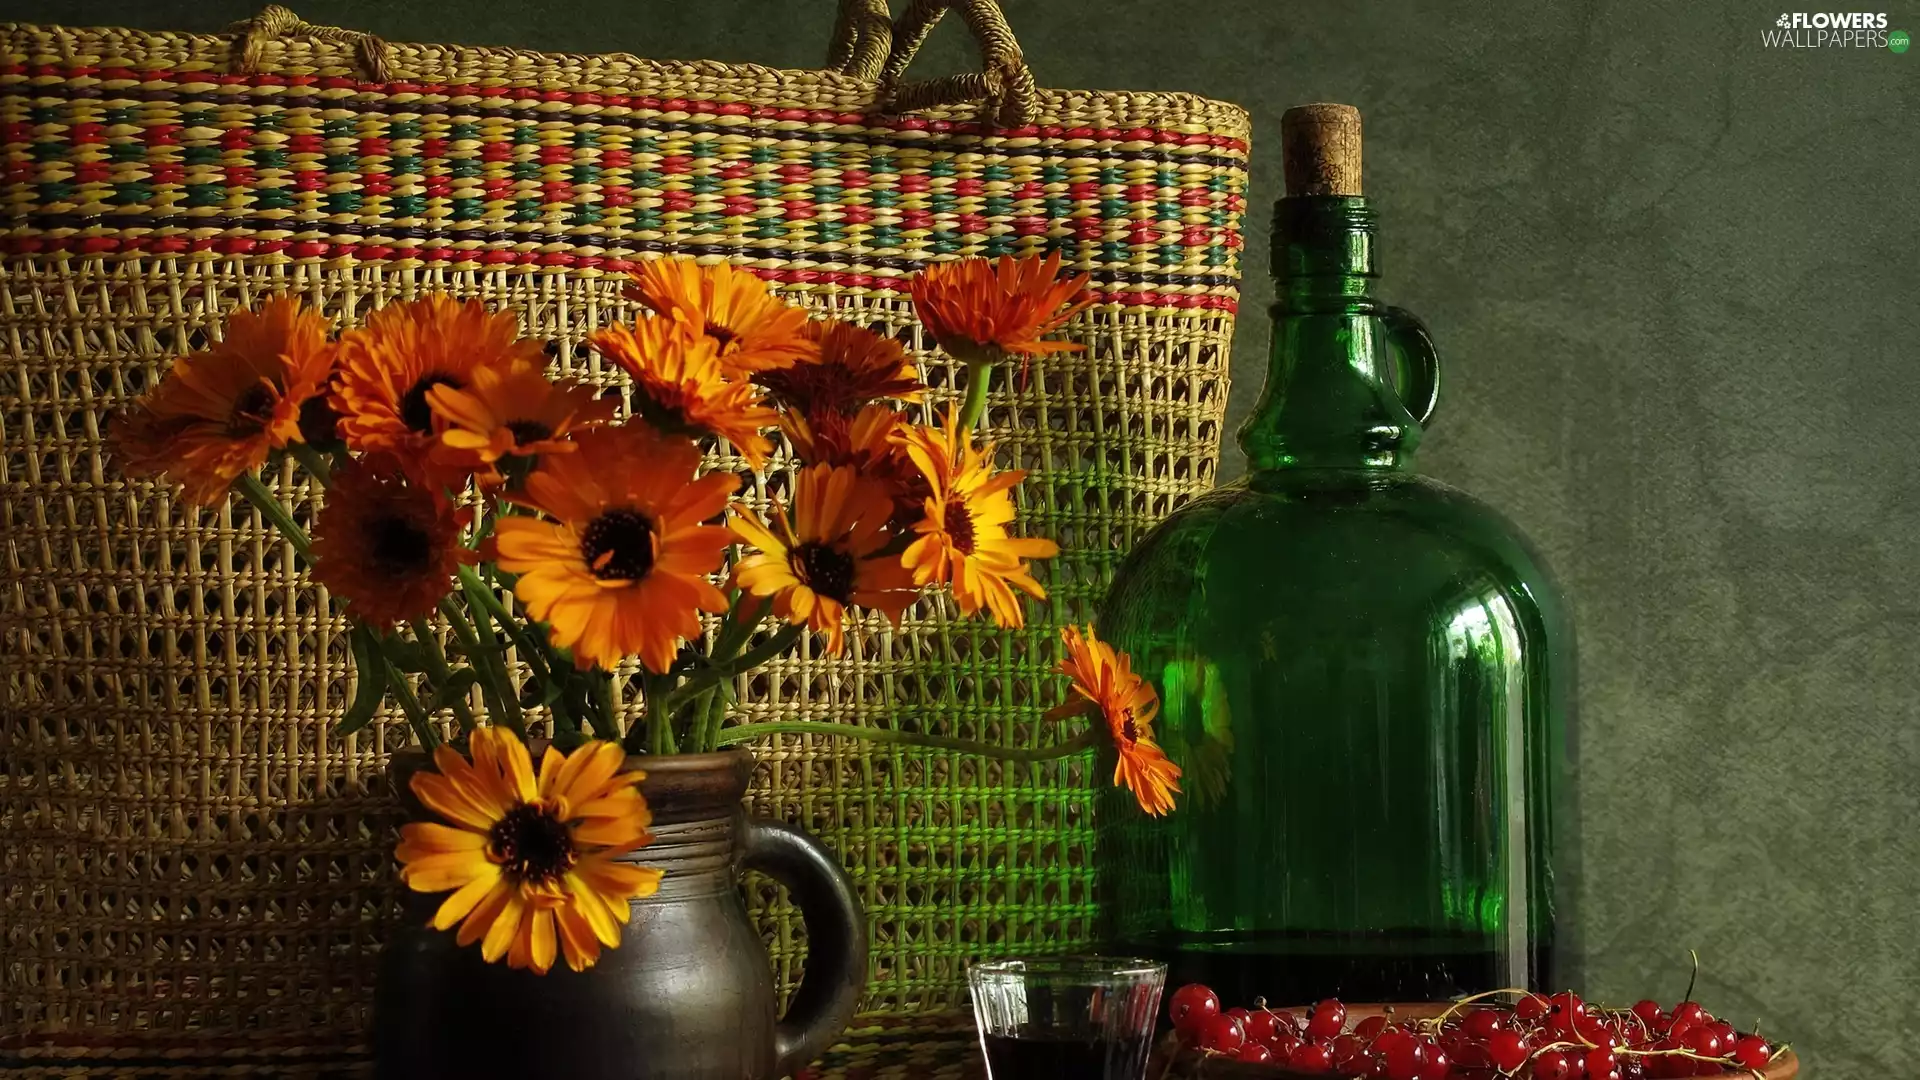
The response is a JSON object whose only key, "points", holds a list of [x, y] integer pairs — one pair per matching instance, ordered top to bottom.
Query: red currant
{"points": [[1531, 1007], [1190, 1009], [1647, 1009], [1565, 1012], [1239, 1014], [1687, 1014], [1328, 1018], [1483, 1024], [1261, 1027], [1371, 1027], [1598, 1032], [1223, 1035], [1704, 1041], [1284, 1045], [1348, 1049], [1509, 1050], [1751, 1052], [1255, 1053], [1311, 1058], [1407, 1059], [1600, 1062], [1552, 1065], [1438, 1067]]}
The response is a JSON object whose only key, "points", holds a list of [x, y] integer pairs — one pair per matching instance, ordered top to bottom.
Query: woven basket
{"points": [[184, 843]]}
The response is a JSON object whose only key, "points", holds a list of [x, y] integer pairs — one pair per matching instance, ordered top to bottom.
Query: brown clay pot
{"points": [[688, 995], [1183, 1063]]}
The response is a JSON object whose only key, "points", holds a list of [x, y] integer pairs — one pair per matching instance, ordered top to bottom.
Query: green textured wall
{"points": [[1673, 273]]}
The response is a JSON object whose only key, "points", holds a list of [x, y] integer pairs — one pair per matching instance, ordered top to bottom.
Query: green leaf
{"points": [[372, 688], [455, 688]]}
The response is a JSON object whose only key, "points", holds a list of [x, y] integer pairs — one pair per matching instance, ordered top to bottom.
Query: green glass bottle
{"points": [[1364, 673]]}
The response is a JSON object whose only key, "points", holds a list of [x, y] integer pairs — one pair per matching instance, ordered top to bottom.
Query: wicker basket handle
{"points": [[275, 23], [862, 38], [1004, 82]]}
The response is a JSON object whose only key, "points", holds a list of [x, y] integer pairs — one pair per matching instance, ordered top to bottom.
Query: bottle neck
{"points": [[1337, 352]]}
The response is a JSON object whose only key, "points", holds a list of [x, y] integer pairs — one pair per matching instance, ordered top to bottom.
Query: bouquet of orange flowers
{"points": [[558, 529]]}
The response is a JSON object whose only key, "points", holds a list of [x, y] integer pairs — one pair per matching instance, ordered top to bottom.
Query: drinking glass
{"points": [[1066, 1017]]}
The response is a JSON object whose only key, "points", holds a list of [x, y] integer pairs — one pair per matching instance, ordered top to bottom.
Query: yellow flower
{"points": [[981, 311], [752, 330], [389, 367], [851, 367], [680, 389], [220, 412], [515, 413], [963, 537], [386, 542], [828, 557], [623, 568], [1104, 680], [532, 862]]}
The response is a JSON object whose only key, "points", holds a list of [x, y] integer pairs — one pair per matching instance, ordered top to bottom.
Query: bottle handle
{"points": [[1419, 363], [836, 971]]}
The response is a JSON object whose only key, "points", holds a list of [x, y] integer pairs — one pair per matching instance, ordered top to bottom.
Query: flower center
{"points": [[721, 334], [251, 410], [414, 410], [529, 431], [960, 526], [619, 544], [398, 546], [827, 571], [1128, 729], [531, 844]]}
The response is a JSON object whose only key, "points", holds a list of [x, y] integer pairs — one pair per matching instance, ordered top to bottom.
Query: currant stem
{"points": [[1435, 1023]]}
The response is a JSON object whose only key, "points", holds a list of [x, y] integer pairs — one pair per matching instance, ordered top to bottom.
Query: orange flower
{"points": [[980, 311], [751, 329], [406, 350], [852, 367], [679, 387], [220, 412], [515, 413], [867, 443], [963, 538], [386, 542], [827, 558], [623, 569], [1105, 681], [531, 864]]}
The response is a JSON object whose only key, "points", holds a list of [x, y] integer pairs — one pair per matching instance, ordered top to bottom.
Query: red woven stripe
{"points": [[687, 105], [315, 249]]}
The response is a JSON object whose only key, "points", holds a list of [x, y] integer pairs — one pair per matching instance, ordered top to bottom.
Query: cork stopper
{"points": [[1320, 149]]}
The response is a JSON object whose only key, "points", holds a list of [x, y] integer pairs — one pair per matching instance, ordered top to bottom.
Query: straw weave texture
{"points": [[184, 844]]}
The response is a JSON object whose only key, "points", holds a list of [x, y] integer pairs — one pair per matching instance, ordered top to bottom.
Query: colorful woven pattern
{"points": [[118, 160], [185, 844]]}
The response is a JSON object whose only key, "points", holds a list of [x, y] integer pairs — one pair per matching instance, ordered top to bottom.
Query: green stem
{"points": [[979, 374], [313, 461], [250, 487], [482, 594], [439, 672], [718, 672], [503, 704], [601, 715], [416, 716], [659, 716], [1084, 741]]}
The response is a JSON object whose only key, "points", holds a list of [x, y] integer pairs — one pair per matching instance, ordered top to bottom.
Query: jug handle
{"points": [[1419, 386], [836, 971]]}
